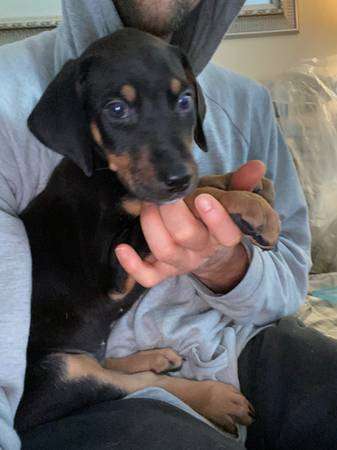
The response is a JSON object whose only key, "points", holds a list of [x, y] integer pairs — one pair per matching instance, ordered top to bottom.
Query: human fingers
{"points": [[217, 220], [184, 228], [145, 273]]}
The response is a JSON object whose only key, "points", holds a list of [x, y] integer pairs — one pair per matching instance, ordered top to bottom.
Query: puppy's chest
{"points": [[79, 287]]}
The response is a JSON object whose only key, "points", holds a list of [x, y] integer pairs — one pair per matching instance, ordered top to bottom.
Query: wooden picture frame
{"points": [[274, 17]]}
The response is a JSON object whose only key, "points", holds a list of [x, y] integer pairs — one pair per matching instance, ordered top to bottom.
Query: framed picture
{"points": [[29, 14], [264, 17]]}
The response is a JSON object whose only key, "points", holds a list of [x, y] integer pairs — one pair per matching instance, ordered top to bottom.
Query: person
{"points": [[279, 367]]}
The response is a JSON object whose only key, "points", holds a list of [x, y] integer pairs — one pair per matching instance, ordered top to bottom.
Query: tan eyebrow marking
{"points": [[175, 86], [129, 92], [96, 134]]}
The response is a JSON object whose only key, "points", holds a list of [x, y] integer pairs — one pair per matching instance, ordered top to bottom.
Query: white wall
{"points": [[29, 8], [265, 57]]}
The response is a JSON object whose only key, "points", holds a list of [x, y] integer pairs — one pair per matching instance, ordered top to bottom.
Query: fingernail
{"points": [[205, 204], [119, 251]]}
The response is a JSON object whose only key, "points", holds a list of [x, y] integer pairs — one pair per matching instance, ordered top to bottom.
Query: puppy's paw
{"points": [[222, 182], [265, 188], [250, 211], [163, 360], [158, 361], [227, 406]]}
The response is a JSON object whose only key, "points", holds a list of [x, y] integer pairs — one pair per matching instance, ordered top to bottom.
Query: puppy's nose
{"points": [[178, 182]]}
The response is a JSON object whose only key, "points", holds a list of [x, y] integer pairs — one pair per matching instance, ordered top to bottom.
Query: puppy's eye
{"points": [[185, 102], [118, 109]]}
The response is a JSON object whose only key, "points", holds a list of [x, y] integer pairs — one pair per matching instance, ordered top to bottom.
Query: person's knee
{"points": [[286, 331], [132, 424], [159, 425]]}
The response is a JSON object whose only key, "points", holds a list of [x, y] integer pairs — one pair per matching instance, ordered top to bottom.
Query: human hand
{"points": [[205, 242]]}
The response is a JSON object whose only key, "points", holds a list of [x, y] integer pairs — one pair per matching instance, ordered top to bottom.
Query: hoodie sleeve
{"points": [[275, 284], [15, 292]]}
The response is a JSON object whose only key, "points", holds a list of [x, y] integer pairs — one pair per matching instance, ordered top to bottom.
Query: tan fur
{"points": [[175, 86], [129, 93], [96, 134], [188, 142], [118, 163], [144, 165], [216, 181], [132, 207], [252, 208], [127, 288], [116, 296], [157, 360], [78, 366], [83, 366], [215, 400]]}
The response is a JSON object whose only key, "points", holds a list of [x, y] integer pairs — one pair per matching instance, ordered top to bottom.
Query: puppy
{"points": [[124, 115]]}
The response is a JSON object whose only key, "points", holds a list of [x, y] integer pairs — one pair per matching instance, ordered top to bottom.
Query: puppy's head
{"points": [[133, 100]]}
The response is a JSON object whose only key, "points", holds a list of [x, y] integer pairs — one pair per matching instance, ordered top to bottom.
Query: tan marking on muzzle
{"points": [[175, 86], [129, 93], [96, 134], [188, 142], [118, 163], [144, 165], [132, 206], [128, 286]]}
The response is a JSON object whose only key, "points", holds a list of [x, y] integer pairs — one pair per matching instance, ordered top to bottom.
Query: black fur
{"points": [[75, 224], [73, 227]]}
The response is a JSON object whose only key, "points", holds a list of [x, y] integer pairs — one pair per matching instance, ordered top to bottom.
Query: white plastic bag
{"points": [[305, 99]]}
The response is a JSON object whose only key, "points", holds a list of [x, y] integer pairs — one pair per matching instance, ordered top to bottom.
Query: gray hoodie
{"points": [[239, 126]]}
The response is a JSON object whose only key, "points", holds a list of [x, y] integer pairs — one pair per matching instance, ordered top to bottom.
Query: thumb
{"points": [[248, 176]]}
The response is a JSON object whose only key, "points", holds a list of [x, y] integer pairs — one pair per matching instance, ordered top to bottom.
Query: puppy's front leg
{"points": [[251, 212], [158, 360], [221, 403]]}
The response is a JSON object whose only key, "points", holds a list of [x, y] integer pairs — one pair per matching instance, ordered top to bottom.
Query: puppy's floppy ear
{"points": [[59, 120], [199, 135]]}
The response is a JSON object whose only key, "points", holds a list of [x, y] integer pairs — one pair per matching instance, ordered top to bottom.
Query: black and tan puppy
{"points": [[124, 115]]}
